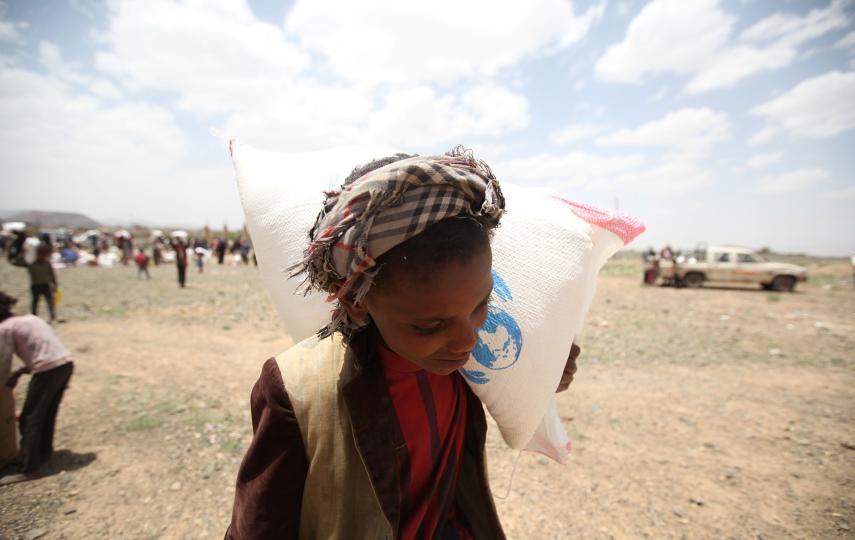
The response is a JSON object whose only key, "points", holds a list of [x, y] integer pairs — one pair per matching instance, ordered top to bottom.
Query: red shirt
{"points": [[141, 259], [431, 411]]}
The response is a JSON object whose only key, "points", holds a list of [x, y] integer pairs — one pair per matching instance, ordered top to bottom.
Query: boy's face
{"points": [[433, 322]]}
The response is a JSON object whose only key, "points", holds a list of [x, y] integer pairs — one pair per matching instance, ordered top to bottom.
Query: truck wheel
{"points": [[693, 280], [784, 283]]}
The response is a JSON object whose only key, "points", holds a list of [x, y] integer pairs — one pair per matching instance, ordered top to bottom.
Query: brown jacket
{"points": [[322, 460]]}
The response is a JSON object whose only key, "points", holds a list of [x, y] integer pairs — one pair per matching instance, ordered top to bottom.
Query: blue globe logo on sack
{"points": [[500, 339]]}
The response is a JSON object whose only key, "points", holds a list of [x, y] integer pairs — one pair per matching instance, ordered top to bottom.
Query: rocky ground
{"points": [[712, 413]]}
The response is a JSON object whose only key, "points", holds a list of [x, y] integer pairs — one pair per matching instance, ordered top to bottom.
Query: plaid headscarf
{"points": [[384, 208]]}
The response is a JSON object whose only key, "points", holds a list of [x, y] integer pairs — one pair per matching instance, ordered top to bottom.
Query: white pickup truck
{"points": [[729, 264]]}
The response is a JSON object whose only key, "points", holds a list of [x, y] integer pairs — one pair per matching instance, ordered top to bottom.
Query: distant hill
{"points": [[51, 220]]}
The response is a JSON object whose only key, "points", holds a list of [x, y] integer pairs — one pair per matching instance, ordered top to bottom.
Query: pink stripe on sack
{"points": [[624, 226]]}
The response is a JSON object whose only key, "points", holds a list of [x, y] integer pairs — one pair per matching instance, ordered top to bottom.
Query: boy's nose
{"points": [[464, 338]]}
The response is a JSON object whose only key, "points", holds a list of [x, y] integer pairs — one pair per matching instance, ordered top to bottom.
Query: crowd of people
{"points": [[41, 252], [652, 259], [33, 340]]}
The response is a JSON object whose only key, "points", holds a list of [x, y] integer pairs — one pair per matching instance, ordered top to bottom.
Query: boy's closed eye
{"points": [[439, 324]]}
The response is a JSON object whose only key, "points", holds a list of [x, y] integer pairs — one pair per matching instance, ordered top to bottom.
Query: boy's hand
{"points": [[569, 368]]}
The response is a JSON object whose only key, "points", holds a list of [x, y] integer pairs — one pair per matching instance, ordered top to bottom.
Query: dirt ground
{"points": [[711, 413]]}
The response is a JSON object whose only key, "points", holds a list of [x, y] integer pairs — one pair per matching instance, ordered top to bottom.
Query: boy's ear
{"points": [[357, 312]]}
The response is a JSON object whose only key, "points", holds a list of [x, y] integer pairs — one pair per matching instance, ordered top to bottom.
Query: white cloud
{"points": [[577, 27], [700, 28], [794, 30], [10, 31], [383, 41], [847, 42], [706, 49], [215, 53], [51, 59], [53, 62], [733, 64], [105, 90], [268, 92], [660, 94], [819, 107], [419, 116], [409, 117], [690, 131], [576, 132], [687, 135], [763, 136], [60, 145], [761, 161], [561, 171], [622, 173], [669, 177], [798, 180], [842, 193]]}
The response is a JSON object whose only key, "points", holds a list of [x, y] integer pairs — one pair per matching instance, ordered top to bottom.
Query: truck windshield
{"points": [[749, 258]]}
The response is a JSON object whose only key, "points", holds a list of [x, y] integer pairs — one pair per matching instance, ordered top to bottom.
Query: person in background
{"points": [[129, 247], [16, 248], [123, 248], [96, 249], [221, 250], [235, 251], [157, 252], [667, 254], [69, 256], [180, 259], [200, 259], [142, 264], [651, 267], [853, 270], [42, 279], [50, 363]]}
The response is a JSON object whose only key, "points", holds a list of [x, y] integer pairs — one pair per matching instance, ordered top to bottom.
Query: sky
{"points": [[716, 122]]}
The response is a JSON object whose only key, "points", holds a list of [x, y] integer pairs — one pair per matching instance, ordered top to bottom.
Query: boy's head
{"points": [[406, 245], [43, 252], [431, 293], [6, 303]]}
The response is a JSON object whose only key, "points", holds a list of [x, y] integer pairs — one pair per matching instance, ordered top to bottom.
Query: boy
{"points": [[200, 259], [142, 264], [42, 280], [50, 362], [368, 430]]}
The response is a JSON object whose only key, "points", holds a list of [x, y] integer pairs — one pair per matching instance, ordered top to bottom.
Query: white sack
{"points": [[282, 195], [14, 226], [30, 249], [546, 256], [545, 264]]}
